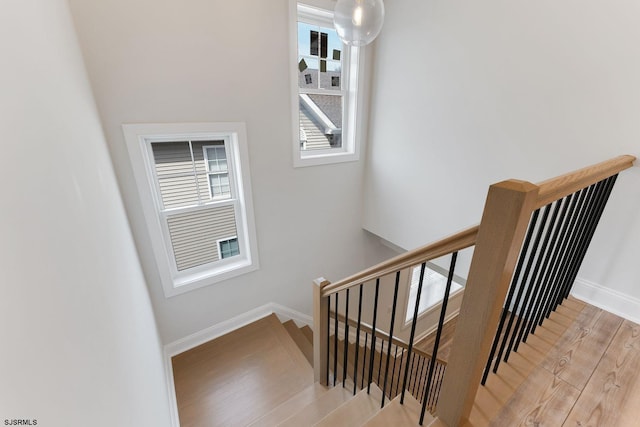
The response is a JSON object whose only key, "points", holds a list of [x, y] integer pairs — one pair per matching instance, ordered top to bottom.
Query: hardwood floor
{"points": [[582, 368], [235, 379]]}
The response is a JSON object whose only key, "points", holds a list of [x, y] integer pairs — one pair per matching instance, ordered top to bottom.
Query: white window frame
{"points": [[320, 12], [138, 138], [209, 173], [409, 308]]}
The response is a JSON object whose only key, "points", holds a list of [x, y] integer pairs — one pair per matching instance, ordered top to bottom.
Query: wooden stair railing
{"points": [[507, 213], [508, 220], [419, 361], [421, 374]]}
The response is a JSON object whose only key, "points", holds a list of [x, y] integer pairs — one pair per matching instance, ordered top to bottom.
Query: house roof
{"points": [[318, 116]]}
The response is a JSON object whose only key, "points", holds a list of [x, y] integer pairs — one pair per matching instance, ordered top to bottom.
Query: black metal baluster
{"points": [[596, 196], [602, 203], [581, 221], [563, 223], [553, 252], [562, 253], [541, 266], [535, 288], [507, 304], [443, 313], [522, 313], [393, 318], [328, 329], [413, 331], [373, 335], [335, 344], [345, 345], [402, 357], [395, 359], [364, 360], [380, 361], [355, 365], [414, 375], [418, 377], [437, 392]]}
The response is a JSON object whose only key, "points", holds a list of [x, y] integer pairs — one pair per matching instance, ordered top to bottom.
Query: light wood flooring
{"points": [[582, 368], [235, 379]]}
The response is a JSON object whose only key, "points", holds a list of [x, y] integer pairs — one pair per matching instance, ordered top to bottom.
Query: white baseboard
{"points": [[607, 299], [285, 313], [217, 330], [171, 391]]}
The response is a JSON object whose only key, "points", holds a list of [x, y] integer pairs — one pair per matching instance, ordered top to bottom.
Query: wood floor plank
{"points": [[579, 350], [237, 378], [500, 387], [612, 395], [543, 400], [291, 406], [319, 408], [356, 411], [397, 415]]}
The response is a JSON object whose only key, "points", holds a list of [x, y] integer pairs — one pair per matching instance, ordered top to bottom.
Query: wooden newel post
{"points": [[505, 219], [320, 331]]}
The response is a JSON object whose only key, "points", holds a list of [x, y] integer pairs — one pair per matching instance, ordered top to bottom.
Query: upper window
{"points": [[325, 95], [194, 185], [433, 287]]}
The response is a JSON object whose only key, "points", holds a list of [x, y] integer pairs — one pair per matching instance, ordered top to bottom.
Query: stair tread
{"points": [[306, 330], [301, 341], [319, 408], [284, 410], [356, 411], [395, 414]]}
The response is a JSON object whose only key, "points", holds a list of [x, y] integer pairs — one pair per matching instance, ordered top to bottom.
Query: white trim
{"points": [[353, 126], [138, 139], [607, 299], [286, 313], [212, 332], [171, 391]]}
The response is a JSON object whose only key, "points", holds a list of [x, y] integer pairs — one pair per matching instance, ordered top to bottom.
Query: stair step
{"points": [[306, 330], [301, 341], [291, 406], [321, 407], [356, 411], [397, 415]]}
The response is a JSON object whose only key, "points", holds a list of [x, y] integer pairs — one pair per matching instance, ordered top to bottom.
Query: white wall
{"points": [[215, 61], [466, 94], [79, 342]]}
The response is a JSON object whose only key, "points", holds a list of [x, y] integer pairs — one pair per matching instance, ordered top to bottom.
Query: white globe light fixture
{"points": [[358, 22]]}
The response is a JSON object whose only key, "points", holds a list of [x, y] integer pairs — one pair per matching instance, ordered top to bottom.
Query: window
{"points": [[324, 89], [218, 170], [194, 184], [228, 248], [433, 286]]}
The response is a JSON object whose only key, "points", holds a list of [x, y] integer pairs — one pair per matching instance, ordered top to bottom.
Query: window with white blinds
{"points": [[198, 185]]}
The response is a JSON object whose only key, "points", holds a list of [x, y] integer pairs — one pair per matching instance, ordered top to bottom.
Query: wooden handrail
{"points": [[563, 185], [549, 191], [456, 242], [397, 341]]}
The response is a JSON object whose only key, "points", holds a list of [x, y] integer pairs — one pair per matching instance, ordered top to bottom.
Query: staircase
{"points": [[527, 251], [338, 406]]}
